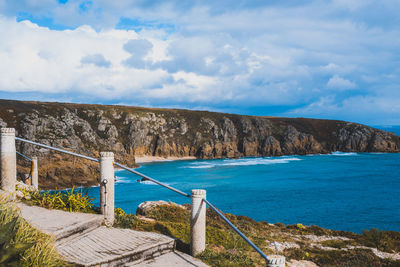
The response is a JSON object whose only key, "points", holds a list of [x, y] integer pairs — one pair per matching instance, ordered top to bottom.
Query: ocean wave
{"points": [[339, 153], [241, 162], [123, 180], [151, 183]]}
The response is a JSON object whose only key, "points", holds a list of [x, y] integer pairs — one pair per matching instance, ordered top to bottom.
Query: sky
{"points": [[337, 59]]}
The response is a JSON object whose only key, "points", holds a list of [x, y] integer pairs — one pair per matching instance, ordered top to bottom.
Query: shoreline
{"points": [[147, 159]]}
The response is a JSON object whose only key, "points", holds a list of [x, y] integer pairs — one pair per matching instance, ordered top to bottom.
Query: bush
{"points": [[72, 200], [388, 241]]}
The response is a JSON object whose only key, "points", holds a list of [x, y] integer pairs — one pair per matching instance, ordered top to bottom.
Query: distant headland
{"points": [[148, 132]]}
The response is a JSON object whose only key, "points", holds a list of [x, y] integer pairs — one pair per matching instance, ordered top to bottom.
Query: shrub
{"points": [[71, 200], [388, 241]]}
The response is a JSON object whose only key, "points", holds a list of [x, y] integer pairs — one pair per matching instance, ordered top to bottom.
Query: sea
{"points": [[340, 191]]}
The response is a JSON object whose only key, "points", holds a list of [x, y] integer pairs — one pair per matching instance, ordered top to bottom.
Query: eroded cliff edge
{"points": [[130, 131]]}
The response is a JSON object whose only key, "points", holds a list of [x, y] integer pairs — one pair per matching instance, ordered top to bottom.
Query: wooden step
{"points": [[60, 224], [82, 241], [112, 246], [175, 259]]}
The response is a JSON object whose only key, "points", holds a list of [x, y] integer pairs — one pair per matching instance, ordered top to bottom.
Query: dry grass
{"points": [[23, 244], [226, 248]]}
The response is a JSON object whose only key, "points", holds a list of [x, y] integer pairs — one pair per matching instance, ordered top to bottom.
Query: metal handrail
{"points": [[57, 149], [24, 156], [96, 160], [151, 179], [236, 229]]}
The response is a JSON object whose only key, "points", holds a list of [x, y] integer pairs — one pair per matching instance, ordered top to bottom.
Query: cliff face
{"points": [[130, 131]]}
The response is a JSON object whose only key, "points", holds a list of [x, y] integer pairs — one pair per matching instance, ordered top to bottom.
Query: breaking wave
{"points": [[339, 153], [241, 162], [123, 180]]}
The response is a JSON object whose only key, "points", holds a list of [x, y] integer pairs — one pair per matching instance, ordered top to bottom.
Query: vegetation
{"points": [[78, 124], [69, 200], [387, 241], [21, 244], [226, 248]]}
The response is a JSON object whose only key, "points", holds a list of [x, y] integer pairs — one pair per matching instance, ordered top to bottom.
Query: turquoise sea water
{"points": [[342, 191]]}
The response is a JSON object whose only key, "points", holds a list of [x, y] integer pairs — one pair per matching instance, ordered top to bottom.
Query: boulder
{"points": [[145, 207]]}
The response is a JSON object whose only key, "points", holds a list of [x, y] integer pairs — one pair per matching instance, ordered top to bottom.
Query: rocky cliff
{"points": [[130, 131]]}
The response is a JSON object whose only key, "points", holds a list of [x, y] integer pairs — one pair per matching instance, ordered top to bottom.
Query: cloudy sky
{"points": [[336, 59]]}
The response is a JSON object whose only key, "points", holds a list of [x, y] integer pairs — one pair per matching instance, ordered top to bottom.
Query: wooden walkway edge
{"points": [[83, 241]]}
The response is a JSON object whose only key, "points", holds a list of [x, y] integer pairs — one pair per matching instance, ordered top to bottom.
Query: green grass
{"points": [[72, 200], [21, 244], [226, 248]]}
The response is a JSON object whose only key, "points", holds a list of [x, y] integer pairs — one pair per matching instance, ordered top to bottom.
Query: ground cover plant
{"points": [[69, 200], [297, 242], [21, 244]]}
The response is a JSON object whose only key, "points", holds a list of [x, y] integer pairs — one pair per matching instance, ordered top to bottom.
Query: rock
{"points": [[130, 132], [296, 142], [271, 147], [20, 186], [146, 206], [322, 238], [281, 246], [300, 263]]}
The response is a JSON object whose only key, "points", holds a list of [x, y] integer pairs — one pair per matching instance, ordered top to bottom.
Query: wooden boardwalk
{"points": [[82, 241]]}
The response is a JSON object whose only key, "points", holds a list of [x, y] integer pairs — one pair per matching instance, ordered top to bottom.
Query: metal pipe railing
{"points": [[57, 149], [24, 156], [96, 160], [151, 179], [236, 229]]}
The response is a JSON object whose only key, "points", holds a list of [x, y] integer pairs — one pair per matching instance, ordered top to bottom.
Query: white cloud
{"points": [[207, 53], [38, 59], [96, 59], [337, 82], [357, 108]]}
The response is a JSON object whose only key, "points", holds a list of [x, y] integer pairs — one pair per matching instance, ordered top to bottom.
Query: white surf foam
{"points": [[339, 153], [242, 162], [123, 180], [152, 183]]}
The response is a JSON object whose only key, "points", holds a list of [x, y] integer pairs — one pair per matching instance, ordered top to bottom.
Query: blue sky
{"points": [[336, 59]]}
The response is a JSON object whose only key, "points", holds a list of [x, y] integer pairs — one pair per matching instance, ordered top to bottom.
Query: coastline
{"points": [[147, 159]]}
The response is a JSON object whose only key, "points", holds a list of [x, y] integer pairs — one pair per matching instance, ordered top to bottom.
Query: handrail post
{"points": [[8, 160], [35, 173], [107, 187], [197, 222], [276, 261]]}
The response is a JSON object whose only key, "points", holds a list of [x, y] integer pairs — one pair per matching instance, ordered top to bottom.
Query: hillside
{"points": [[135, 131]]}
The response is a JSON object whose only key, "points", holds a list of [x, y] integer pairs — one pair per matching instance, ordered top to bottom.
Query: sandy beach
{"points": [[144, 159]]}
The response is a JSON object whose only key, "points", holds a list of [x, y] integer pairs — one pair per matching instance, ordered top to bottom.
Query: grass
{"points": [[60, 173], [71, 200], [387, 241], [21, 244], [226, 248]]}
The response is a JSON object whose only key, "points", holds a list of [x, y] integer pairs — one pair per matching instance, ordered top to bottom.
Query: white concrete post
{"points": [[8, 162], [35, 173], [107, 187], [197, 222], [276, 261]]}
